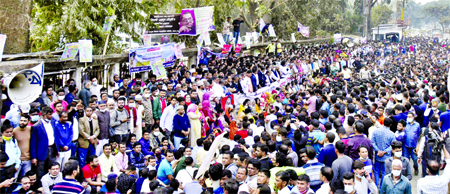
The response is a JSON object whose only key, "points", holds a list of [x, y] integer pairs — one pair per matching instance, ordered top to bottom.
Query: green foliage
{"points": [[441, 12], [381, 14], [63, 21]]}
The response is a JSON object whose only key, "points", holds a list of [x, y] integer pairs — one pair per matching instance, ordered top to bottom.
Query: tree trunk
{"points": [[15, 22]]}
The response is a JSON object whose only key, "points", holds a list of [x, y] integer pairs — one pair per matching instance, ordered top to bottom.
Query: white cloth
{"points": [[95, 90], [218, 91], [140, 114], [167, 118], [49, 129], [76, 132], [63, 158], [185, 175], [435, 184], [364, 186], [244, 187], [324, 189], [285, 190]]}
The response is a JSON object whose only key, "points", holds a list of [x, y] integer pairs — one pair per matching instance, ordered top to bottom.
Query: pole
{"points": [[403, 10], [378, 33], [106, 44]]}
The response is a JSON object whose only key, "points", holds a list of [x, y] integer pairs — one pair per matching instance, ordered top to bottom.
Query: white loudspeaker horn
{"points": [[26, 85]]}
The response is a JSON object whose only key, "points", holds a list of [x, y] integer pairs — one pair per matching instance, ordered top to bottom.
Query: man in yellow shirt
{"points": [[271, 48], [279, 48]]}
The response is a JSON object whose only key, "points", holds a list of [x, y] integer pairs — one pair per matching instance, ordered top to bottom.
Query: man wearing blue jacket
{"points": [[63, 137], [42, 143]]}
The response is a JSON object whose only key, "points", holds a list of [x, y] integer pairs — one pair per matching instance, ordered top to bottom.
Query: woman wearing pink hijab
{"points": [[209, 117], [194, 119]]}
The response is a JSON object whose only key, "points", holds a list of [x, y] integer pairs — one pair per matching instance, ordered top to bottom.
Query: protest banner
{"points": [[197, 20], [164, 24], [303, 29], [272, 31], [248, 37], [337, 37], [220, 39], [147, 40], [2, 44], [226, 48], [238, 48], [70, 51], [85, 51], [178, 52], [141, 59], [159, 70]]}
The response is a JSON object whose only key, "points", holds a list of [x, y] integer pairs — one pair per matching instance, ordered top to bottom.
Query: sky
{"points": [[424, 1]]}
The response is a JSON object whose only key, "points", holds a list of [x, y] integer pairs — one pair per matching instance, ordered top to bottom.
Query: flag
{"points": [[303, 29]]}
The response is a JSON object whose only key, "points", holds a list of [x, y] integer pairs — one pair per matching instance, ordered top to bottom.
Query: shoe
{"points": [[416, 172]]}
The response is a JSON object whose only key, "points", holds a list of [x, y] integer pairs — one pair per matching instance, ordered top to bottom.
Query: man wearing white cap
{"points": [[181, 126]]}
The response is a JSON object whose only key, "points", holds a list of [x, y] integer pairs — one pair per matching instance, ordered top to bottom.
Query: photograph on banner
{"points": [[187, 23], [164, 24], [220, 38], [2, 44], [70, 51], [85, 55], [141, 59], [159, 70]]}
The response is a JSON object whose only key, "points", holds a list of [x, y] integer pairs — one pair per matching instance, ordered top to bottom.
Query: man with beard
{"points": [[148, 111], [103, 117], [120, 122], [89, 131], [22, 134], [92, 173]]}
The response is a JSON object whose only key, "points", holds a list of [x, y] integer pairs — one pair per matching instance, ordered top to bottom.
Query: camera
{"points": [[435, 139]]}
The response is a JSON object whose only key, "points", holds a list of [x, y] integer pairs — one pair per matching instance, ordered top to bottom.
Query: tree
{"points": [[441, 12], [381, 14], [63, 21], [15, 23]]}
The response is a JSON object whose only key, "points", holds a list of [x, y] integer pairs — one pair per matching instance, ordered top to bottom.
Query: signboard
{"points": [[164, 24], [337, 38], [142, 59]]}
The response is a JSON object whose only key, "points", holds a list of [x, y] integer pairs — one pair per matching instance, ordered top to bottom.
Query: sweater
{"points": [[180, 123]]}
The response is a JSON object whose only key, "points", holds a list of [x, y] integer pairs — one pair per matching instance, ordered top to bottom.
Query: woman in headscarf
{"points": [[187, 98], [244, 105], [209, 117], [194, 119]]}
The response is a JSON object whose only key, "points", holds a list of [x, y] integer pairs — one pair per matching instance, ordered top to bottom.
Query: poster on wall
{"points": [[197, 20], [164, 24], [2, 44], [70, 51], [85, 55], [142, 59]]}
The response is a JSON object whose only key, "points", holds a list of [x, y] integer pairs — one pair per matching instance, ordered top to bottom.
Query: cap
{"points": [[138, 97], [101, 102], [180, 107], [112, 176]]}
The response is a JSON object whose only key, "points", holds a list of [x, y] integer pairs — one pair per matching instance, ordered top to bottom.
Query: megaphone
{"points": [[348, 42], [26, 85]]}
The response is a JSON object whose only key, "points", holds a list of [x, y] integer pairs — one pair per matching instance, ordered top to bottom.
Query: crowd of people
{"points": [[349, 120]]}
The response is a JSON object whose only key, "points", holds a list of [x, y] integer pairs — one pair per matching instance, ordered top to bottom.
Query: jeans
{"points": [[236, 36], [226, 38], [177, 141], [73, 147], [409, 152], [84, 153], [24, 168], [378, 169]]}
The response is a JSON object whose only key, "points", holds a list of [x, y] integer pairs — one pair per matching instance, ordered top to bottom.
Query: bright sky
{"points": [[424, 1]]}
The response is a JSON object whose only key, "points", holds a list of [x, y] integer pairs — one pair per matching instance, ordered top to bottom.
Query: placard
{"points": [[164, 24], [107, 26], [271, 31], [293, 37], [220, 38], [147, 40], [226, 48], [238, 48], [70, 51], [85, 51], [142, 59], [159, 70]]}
